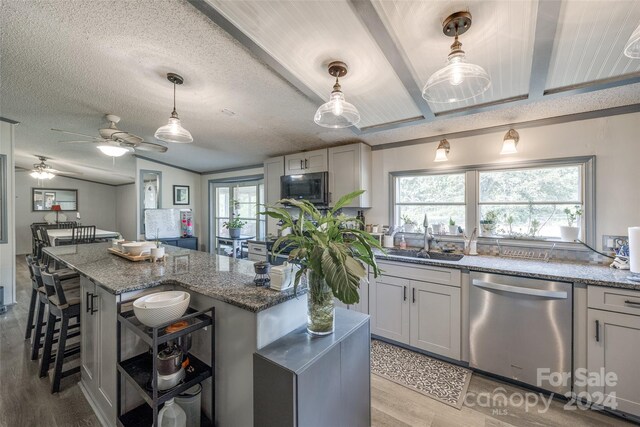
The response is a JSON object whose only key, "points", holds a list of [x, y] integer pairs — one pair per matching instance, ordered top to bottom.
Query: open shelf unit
{"points": [[140, 370]]}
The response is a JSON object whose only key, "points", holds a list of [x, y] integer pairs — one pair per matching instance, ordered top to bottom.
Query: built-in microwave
{"points": [[313, 187]]}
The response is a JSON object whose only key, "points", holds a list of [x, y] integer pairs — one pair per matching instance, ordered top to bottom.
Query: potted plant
{"points": [[488, 223], [234, 225], [409, 225], [453, 228], [571, 232], [157, 252], [331, 256]]}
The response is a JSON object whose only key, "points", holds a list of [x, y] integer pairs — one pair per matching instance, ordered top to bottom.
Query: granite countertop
{"points": [[590, 274], [220, 277]]}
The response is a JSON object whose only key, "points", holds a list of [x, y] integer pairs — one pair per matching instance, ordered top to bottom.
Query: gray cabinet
{"points": [[307, 162], [273, 170], [350, 170], [182, 242], [361, 306], [389, 307], [98, 348], [320, 381]]}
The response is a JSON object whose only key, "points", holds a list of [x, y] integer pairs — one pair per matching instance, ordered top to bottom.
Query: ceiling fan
{"points": [[115, 142], [42, 170]]}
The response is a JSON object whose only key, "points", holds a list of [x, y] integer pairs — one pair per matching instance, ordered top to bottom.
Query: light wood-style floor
{"points": [[25, 399]]}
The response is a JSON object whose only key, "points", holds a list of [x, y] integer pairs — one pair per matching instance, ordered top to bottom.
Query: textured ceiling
{"points": [[65, 64]]}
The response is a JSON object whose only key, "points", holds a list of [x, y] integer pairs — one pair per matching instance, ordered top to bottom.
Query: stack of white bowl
{"points": [[161, 307]]}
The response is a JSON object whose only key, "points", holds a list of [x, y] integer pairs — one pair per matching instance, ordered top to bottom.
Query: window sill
{"points": [[532, 243]]}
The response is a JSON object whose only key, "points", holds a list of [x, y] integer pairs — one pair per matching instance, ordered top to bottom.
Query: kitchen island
{"points": [[247, 319]]}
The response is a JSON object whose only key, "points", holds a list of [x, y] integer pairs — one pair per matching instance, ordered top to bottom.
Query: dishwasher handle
{"points": [[519, 290]]}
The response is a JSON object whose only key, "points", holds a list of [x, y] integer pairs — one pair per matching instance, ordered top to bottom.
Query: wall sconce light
{"points": [[510, 142], [442, 151]]}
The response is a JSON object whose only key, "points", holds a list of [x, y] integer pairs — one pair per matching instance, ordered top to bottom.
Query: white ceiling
{"points": [[65, 64]]}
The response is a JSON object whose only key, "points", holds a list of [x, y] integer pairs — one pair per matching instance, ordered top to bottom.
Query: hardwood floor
{"points": [[25, 399]]}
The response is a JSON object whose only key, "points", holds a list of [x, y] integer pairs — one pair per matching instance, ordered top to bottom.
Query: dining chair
{"points": [[83, 234]]}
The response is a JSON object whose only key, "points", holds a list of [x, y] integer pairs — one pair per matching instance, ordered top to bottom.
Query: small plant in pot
{"points": [[488, 223], [408, 225], [234, 226], [453, 228], [571, 231], [157, 253], [332, 256]]}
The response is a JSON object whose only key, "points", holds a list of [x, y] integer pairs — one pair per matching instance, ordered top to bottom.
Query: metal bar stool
{"points": [[66, 306]]}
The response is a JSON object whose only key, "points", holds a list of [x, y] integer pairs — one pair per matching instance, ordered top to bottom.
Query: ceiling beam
{"points": [[547, 19], [396, 57]]}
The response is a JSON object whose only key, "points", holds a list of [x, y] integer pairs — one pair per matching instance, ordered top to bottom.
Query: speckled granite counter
{"points": [[584, 273], [219, 277]]}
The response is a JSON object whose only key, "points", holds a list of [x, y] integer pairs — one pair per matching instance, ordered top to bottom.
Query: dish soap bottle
{"points": [[403, 243], [172, 415]]}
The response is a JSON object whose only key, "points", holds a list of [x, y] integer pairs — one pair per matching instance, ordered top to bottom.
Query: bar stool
{"points": [[42, 300], [66, 306]]}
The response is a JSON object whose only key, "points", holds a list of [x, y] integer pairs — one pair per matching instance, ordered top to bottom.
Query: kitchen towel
{"points": [[634, 249]]}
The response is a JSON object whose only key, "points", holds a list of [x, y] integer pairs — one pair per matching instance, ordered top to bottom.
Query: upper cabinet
{"points": [[307, 162], [273, 170], [350, 170]]}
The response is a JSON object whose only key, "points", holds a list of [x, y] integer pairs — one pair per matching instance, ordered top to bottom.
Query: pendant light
{"points": [[632, 48], [458, 80], [337, 113], [173, 131], [510, 142], [442, 151]]}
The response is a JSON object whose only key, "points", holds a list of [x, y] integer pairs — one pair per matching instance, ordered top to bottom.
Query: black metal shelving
{"points": [[140, 370]]}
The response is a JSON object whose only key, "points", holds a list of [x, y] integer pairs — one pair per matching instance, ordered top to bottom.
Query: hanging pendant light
{"points": [[632, 48], [458, 80], [337, 113], [173, 131], [510, 142], [442, 151]]}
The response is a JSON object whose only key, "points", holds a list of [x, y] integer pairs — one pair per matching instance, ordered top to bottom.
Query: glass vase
{"points": [[320, 307]]}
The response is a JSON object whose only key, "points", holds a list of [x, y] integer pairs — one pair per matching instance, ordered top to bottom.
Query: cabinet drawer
{"points": [[257, 248], [443, 276], [614, 299]]}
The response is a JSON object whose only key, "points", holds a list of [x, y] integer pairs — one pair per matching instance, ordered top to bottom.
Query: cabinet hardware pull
{"points": [[306, 163], [301, 165], [404, 293], [413, 294], [86, 302], [636, 303], [93, 310], [597, 331]]}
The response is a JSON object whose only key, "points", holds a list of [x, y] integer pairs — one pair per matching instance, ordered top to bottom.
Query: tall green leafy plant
{"points": [[324, 244]]}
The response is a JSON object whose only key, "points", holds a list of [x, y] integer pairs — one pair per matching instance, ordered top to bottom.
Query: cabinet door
{"points": [[316, 161], [294, 164], [273, 170], [349, 170], [188, 243], [106, 304], [363, 305], [389, 308], [435, 318], [89, 336], [614, 345]]}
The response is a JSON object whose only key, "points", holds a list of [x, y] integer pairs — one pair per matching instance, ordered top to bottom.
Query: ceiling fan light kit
{"points": [[632, 48], [458, 80], [337, 113], [173, 131], [510, 142], [113, 150], [442, 151], [42, 171]]}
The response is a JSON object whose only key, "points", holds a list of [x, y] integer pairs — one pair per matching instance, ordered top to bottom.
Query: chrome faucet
{"points": [[427, 235]]}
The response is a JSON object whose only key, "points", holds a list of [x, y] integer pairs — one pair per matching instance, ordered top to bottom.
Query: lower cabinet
{"points": [[182, 242], [361, 306], [422, 314], [613, 347], [98, 348]]}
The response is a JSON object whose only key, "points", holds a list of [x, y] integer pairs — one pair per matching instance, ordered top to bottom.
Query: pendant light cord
{"points": [[174, 97]]}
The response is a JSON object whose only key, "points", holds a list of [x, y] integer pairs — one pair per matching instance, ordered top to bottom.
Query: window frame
{"points": [[472, 194], [4, 205]]}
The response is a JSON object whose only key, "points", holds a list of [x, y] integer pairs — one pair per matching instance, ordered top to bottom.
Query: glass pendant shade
{"points": [[632, 48], [457, 81], [337, 113], [173, 131], [510, 142], [113, 150], [442, 151], [42, 175]]}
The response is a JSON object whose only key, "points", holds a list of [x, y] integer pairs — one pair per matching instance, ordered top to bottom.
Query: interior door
{"points": [[389, 308]]}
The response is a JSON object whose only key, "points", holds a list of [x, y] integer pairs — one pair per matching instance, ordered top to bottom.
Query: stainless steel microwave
{"points": [[313, 187]]}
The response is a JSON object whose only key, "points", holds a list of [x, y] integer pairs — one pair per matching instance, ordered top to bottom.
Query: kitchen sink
{"points": [[415, 253]]}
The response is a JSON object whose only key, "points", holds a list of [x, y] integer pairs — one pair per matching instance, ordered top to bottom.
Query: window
{"points": [[440, 197], [242, 199], [518, 201], [530, 202]]}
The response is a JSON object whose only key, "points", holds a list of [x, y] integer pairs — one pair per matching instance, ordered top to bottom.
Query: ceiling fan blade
{"points": [[75, 133], [129, 138], [77, 142], [150, 146]]}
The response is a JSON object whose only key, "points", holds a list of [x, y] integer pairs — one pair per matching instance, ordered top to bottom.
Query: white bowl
{"points": [[137, 248], [162, 299], [155, 316]]}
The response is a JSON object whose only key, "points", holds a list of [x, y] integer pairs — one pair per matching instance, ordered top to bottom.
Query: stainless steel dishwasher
{"points": [[519, 325]]}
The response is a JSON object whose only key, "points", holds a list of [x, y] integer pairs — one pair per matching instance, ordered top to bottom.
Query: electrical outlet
{"points": [[612, 243]]}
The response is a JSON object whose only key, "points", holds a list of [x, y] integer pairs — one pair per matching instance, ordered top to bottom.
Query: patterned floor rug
{"points": [[439, 380]]}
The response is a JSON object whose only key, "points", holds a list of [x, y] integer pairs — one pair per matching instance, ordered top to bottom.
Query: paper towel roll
{"points": [[634, 249]]}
